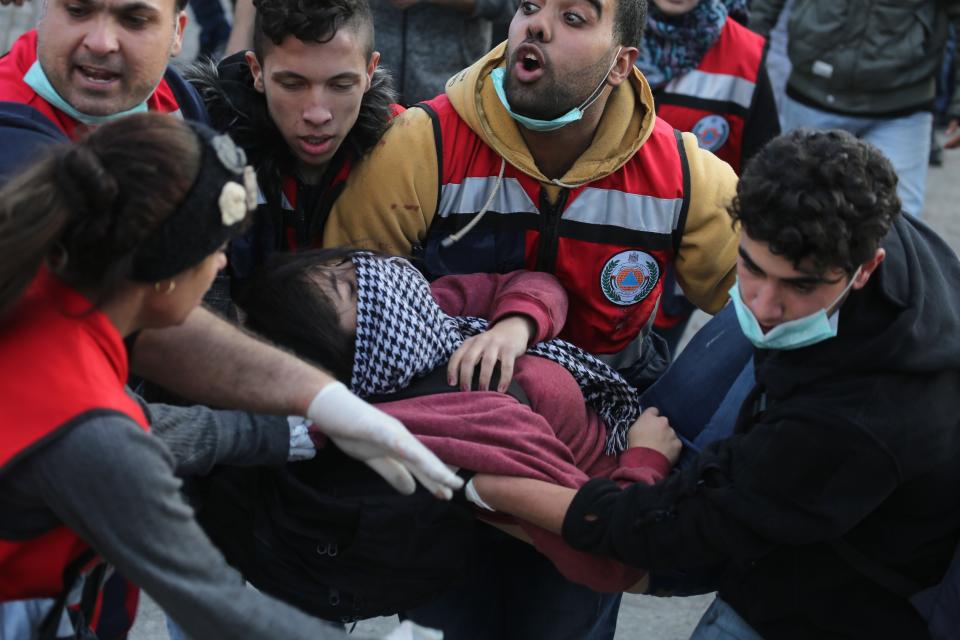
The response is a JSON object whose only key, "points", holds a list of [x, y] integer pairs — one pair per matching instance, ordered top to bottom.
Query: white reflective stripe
{"points": [[713, 86], [177, 114], [468, 197], [261, 198], [626, 210]]}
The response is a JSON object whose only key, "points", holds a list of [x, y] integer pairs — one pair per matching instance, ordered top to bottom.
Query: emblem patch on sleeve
{"points": [[712, 132], [629, 277]]}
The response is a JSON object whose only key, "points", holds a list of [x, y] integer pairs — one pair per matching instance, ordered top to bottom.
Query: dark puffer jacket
{"points": [[856, 438]]}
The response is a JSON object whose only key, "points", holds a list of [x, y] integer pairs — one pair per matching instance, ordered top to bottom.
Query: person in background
{"points": [[214, 27], [424, 43], [870, 70], [708, 76]]}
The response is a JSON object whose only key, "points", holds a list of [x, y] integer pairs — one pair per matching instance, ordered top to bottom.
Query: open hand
{"points": [[504, 342], [364, 432]]}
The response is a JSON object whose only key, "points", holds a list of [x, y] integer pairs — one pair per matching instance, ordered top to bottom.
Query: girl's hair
{"points": [[84, 208], [286, 303]]}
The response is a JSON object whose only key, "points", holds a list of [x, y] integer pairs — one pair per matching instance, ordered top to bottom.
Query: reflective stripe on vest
{"points": [[713, 86], [467, 197], [592, 206], [626, 210], [608, 242]]}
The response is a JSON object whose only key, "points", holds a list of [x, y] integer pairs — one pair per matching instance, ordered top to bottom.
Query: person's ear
{"points": [[179, 26], [622, 66], [371, 67], [255, 70], [867, 269]]}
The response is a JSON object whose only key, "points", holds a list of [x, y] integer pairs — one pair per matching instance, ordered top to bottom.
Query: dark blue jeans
{"points": [[703, 389]]}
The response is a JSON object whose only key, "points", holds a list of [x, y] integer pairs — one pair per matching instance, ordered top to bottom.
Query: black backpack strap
{"points": [[438, 142], [685, 207], [435, 382], [51, 622]]}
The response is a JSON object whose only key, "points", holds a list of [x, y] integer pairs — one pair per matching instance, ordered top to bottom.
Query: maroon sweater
{"points": [[558, 438]]}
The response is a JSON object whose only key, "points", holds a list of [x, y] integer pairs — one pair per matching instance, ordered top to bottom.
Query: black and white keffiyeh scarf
{"points": [[402, 334]]}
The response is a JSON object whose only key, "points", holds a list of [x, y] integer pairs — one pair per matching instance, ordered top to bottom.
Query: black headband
{"points": [[213, 211]]}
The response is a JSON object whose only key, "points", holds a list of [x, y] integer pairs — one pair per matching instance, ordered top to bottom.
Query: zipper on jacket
{"points": [[550, 215]]}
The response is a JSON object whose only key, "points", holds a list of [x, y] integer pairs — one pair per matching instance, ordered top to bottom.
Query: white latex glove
{"points": [[364, 432], [301, 444], [409, 630]]}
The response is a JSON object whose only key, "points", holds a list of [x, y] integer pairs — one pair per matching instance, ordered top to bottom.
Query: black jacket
{"points": [[237, 108], [855, 439]]}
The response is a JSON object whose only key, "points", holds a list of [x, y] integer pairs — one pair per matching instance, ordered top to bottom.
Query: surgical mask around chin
{"points": [[498, 76], [37, 80], [793, 334]]}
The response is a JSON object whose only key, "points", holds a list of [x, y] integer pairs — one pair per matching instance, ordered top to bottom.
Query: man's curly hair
{"points": [[310, 21], [822, 196]]}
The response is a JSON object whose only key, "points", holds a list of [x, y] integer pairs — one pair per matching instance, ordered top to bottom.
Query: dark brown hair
{"points": [[822, 196], [85, 207]]}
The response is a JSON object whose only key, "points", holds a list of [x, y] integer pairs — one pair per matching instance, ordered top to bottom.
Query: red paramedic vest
{"points": [[21, 57], [714, 99], [608, 242], [61, 364]]}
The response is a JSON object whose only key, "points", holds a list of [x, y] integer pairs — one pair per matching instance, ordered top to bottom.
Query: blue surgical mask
{"points": [[498, 75], [37, 80], [793, 334]]}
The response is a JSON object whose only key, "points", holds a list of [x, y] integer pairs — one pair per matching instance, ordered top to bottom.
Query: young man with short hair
{"points": [[307, 103], [838, 495]]}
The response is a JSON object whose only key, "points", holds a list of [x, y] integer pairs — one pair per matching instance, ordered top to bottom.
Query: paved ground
{"points": [[640, 616]]}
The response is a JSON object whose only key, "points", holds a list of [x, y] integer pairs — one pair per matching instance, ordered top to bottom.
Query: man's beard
{"points": [[548, 98]]}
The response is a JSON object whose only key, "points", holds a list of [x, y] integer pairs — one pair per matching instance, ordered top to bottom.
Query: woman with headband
{"points": [[121, 232]]}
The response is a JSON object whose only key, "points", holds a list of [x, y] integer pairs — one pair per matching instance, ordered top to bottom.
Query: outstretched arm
{"points": [[210, 361], [654, 449]]}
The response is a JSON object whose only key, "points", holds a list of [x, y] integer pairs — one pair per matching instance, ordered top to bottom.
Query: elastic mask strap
{"points": [[593, 97], [835, 305]]}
